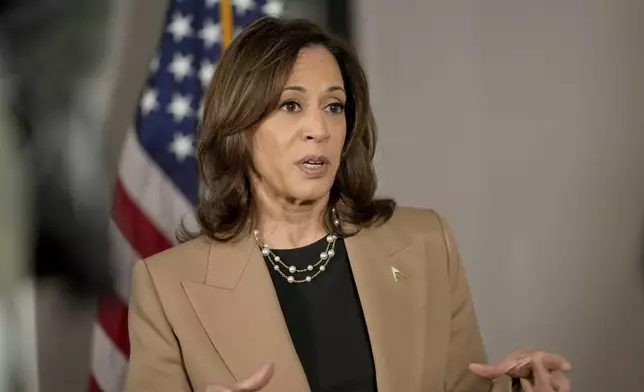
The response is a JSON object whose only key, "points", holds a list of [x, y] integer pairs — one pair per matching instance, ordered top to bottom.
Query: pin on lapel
{"points": [[397, 274]]}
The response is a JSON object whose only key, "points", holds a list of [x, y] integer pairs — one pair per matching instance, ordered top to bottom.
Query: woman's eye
{"points": [[290, 106], [335, 108]]}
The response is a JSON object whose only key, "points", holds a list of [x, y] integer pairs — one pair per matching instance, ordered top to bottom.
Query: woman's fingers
{"points": [[553, 361], [519, 364], [521, 368], [545, 370], [490, 371], [541, 375], [257, 380], [545, 380], [560, 382], [526, 386]]}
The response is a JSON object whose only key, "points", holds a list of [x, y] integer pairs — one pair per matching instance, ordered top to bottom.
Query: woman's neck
{"points": [[286, 225]]}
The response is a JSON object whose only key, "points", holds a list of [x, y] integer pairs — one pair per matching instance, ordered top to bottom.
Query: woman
{"points": [[300, 280]]}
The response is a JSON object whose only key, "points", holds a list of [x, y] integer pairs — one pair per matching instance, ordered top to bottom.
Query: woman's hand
{"points": [[539, 371], [545, 381], [255, 382]]}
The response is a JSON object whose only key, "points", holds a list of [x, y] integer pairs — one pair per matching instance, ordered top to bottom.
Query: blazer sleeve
{"points": [[466, 343], [155, 357]]}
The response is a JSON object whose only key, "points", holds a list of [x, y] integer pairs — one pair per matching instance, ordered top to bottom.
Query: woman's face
{"points": [[296, 150]]}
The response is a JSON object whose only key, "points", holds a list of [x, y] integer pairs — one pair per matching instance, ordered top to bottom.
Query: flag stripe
{"points": [[158, 186], [150, 187], [135, 226], [123, 258], [112, 317], [108, 363], [93, 385]]}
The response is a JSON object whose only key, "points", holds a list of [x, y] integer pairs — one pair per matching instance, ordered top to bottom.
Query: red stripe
{"points": [[135, 226], [146, 241], [112, 317], [93, 385]]}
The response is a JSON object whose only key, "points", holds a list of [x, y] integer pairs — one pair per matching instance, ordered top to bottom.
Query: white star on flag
{"points": [[241, 6], [274, 8], [180, 27], [210, 33], [180, 66], [205, 72], [149, 101], [180, 107], [182, 146], [158, 178]]}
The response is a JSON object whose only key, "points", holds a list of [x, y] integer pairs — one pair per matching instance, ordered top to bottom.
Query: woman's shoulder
{"points": [[416, 221], [410, 224], [410, 227], [185, 261]]}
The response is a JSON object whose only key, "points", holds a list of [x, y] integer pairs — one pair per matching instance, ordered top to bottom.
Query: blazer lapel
{"points": [[238, 281], [238, 307], [393, 309]]}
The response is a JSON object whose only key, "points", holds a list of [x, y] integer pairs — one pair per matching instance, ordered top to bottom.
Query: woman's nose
{"points": [[316, 127]]}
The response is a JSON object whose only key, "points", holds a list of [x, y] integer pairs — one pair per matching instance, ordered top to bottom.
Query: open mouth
{"points": [[314, 165]]}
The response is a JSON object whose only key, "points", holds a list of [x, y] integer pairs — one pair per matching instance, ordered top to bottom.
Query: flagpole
{"points": [[227, 23]]}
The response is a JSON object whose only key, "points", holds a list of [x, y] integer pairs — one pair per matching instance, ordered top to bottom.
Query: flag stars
{"points": [[243, 6], [274, 8], [180, 27], [210, 33], [180, 66], [205, 72], [149, 101], [180, 107], [166, 110], [182, 146]]}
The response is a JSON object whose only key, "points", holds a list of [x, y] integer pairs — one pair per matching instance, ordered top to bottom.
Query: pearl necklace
{"points": [[320, 266]]}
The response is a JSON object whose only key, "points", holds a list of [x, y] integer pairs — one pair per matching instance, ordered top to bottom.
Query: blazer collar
{"points": [[227, 262], [239, 309], [393, 309], [240, 312]]}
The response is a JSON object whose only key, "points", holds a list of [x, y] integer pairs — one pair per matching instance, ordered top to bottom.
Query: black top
{"points": [[325, 320]]}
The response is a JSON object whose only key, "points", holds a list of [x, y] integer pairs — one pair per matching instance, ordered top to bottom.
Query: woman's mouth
{"points": [[314, 167]]}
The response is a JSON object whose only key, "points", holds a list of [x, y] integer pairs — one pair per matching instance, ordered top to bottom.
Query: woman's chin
{"points": [[311, 194]]}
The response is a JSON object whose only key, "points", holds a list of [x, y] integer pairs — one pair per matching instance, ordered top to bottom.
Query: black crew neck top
{"points": [[325, 320]]}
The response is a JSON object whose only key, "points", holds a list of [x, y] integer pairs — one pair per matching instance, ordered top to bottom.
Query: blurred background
{"points": [[521, 121]]}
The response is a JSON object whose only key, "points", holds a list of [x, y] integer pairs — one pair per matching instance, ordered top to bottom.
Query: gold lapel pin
{"points": [[397, 274]]}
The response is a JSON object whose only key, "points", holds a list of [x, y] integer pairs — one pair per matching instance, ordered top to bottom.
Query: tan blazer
{"points": [[206, 312]]}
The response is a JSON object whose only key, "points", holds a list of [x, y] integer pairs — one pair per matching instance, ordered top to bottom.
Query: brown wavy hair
{"points": [[245, 89]]}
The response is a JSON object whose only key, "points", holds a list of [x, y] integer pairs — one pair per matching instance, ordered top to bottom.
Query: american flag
{"points": [[157, 185]]}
